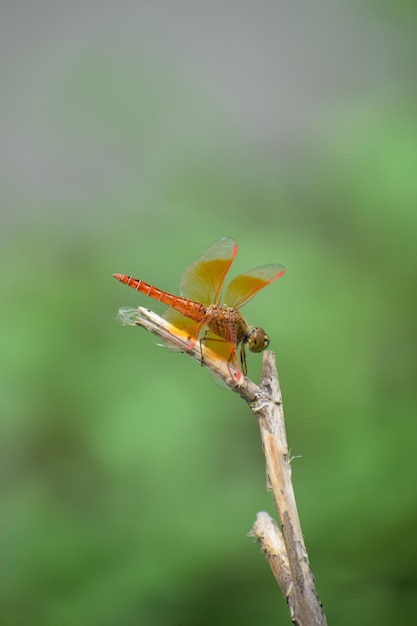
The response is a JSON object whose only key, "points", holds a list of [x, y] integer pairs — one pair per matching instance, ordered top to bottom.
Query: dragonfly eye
{"points": [[258, 340]]}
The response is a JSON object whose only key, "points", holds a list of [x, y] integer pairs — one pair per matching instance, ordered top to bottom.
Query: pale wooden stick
{"points": [[179, 340], [271, 542], [284, 549], [305, 606]]}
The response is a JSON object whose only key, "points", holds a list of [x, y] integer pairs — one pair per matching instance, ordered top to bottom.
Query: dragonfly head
{"points": [[257, 339]]}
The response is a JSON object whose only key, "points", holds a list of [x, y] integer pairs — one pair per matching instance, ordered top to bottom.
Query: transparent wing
{"points": [[203, 281], [245, 286], [191, 327], [225, 350]]}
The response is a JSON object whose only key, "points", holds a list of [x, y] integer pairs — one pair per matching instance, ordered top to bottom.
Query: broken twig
{"points": [[283, 547]]}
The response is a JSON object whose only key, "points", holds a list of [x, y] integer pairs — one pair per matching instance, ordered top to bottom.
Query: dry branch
{"points": [[284, 549]]}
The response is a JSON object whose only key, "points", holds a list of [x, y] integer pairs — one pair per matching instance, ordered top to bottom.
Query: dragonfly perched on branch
{"points": [[204, 312]]}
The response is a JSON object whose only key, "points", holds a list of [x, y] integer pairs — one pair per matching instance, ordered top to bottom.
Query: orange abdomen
{"points": [[193, 310]]}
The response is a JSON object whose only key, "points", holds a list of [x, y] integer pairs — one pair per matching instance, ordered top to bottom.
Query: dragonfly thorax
{"points": [[228, 323]]}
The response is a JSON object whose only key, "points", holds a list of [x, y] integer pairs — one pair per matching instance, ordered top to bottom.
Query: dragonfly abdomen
{"points": [[193, 310]]}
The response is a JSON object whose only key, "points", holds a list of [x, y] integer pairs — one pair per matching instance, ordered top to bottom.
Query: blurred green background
{"points": [[133, 136]]}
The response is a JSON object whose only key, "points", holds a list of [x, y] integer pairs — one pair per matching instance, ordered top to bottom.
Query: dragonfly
{"points": [[205, 311]]}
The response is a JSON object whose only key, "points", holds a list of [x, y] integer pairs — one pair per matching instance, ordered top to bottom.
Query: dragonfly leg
{"points": [[202, 341], [243, 358], [233, 360]]}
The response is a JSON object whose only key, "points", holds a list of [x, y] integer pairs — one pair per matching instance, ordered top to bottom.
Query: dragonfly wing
{"points": [[203, 280], [245, 286], [180, 321], [224, 349]]}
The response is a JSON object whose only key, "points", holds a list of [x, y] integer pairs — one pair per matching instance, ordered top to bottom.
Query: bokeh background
{"points": [[134, 134]]}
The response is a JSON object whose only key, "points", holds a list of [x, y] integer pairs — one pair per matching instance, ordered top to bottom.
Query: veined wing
{"points": [[203, 280], [245, 286], [177, 319], [225, 350]]}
